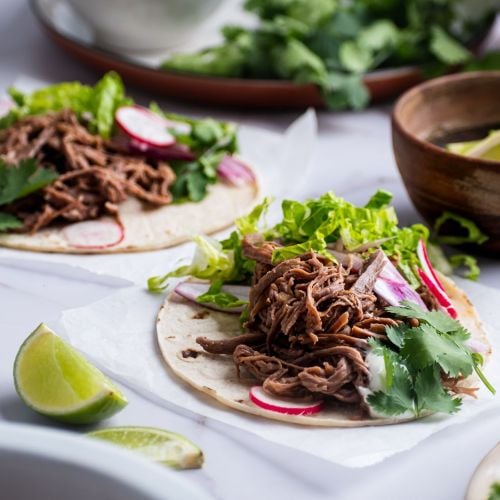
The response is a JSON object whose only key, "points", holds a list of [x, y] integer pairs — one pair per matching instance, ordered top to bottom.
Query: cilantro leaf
{"points": [[447, 49], [21, 180], [8, 221], [438, 320], [424, 346], [430, 394], [398, 397]]}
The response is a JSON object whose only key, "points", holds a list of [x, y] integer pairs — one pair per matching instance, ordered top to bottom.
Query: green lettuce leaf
{"points": [[98, 104], [470, 232], [210, 262], [215, 295]]}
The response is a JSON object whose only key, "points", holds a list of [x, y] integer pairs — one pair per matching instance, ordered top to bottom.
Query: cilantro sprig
{"points": [[19, 181], [416, 360]]}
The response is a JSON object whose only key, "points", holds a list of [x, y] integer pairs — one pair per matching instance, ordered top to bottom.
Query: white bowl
{"points": [[143, 25], [47, 464]]}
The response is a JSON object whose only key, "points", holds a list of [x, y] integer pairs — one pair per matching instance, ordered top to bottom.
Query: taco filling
{"points": [[71, 153], [362, 321]]}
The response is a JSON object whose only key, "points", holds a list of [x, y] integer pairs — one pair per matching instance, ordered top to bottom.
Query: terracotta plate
{"points": [[64, 27]]}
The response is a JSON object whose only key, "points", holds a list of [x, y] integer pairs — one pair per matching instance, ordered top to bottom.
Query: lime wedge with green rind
{"points": [[55, 380], [161, 446]]}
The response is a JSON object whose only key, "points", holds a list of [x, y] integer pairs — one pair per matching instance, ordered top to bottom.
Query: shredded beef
{"points": [[95, 176], [311, 319]]}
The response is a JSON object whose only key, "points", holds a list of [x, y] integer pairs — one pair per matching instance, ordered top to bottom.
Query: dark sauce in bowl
{"points": [[444, 137]]}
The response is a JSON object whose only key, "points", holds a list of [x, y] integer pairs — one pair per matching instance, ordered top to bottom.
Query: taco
{"points": [[85, 170], [333, 317]]}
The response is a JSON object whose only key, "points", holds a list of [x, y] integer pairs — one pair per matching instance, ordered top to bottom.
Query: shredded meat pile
{"points": [[94, 174], [309, 325]]}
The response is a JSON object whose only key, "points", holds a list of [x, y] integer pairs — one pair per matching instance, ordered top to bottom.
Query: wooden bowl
{"points": [[437, 180]]}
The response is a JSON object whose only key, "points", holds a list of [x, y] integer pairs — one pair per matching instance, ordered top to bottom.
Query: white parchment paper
{"points": [[279, 160], [118, 333]]}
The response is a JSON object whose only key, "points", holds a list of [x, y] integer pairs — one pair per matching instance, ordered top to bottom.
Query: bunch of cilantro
{"points": [[333, 43], [96, 106], [415, 360]]}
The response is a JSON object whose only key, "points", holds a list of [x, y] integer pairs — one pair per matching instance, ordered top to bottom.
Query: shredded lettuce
{"points": [[98, 104], [249, 224], [307, 226], [470, 233], [467, 261], [210, 262]]}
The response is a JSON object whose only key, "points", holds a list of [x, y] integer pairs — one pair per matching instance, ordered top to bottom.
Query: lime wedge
{"points": [[486, 149], [57, 381], [158, 445]]}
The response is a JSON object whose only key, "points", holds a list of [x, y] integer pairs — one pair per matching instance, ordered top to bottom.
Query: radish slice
{"points": [[143, 125], [234, 171], [94, 234], [425, 262], [431, 280], [393, 288], [191, 291], [441, 297], [288, 407]]}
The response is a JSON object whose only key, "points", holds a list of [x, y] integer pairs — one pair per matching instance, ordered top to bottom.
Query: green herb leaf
{"points": [[447, 49], [21, 180], [8, 221], [425, 346], [430, 394], [399, 397]]}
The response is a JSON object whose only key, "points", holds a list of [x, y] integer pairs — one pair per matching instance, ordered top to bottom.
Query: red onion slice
{"points": [[173, 152], [234, 171], [393, 288], [191, 291], [288, 407]]}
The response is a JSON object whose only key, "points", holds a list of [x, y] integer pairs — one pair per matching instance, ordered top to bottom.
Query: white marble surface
{"points": [[353, 158]]}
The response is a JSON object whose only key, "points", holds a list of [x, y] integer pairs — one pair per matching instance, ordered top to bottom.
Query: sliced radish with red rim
{"points": [[143, 125], [94, 234], [429, 276], [441, 297], [286, 406]]}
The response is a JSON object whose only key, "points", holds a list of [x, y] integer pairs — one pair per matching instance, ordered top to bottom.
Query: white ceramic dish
{"points": [[144, 25], [46, 464], [486, 474]]}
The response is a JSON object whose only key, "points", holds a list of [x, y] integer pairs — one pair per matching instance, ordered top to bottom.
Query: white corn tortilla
{"points": [[152, 228], [180, 322]]}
